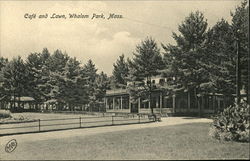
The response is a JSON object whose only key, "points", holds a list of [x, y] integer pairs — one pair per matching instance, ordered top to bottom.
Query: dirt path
{"points": [[91, 131]]}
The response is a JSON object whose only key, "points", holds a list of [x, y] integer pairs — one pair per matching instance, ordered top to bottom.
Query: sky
{"points": [[102, 40]]}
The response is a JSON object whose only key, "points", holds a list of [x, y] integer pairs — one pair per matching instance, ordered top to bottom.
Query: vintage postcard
{"points": [[124, 80]]}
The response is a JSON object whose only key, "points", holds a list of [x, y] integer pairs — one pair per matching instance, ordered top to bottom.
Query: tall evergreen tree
{"points": [[240, 27], [221, 49], [221, 58], [185, 61], [147, 62], [3, 63], [34, 66], [55, 66], [90, 70], [120, 72], [15, 78], [44, 83], [72, 85], [102, 85]]}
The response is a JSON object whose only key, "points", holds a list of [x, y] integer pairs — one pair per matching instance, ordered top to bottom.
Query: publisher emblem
{"points": [[11, 146]]}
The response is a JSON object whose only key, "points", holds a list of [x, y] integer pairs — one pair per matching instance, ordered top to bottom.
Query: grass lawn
{"points": [[186, 141]]}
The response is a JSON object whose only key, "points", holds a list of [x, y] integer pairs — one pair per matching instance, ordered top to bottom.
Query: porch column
{"points": [[189, 101], [218, 101], [106, 102], [121, 102], [161, 102], [166, 102], [214, 102], [113, 103], [149, 103], [174, 103], [129, 104], [139, 104], [202, 104]]}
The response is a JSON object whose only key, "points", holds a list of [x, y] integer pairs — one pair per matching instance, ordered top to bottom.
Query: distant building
{"points": [[26, 103], [165, 103]]}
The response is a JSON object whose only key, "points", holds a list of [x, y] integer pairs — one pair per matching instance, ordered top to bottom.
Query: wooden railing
{"points": [[40, 125]]}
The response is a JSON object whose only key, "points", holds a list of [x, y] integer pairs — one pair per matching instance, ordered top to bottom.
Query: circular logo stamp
{"points": [[11, 146]]}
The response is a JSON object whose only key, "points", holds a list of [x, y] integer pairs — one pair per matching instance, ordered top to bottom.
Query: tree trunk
{"points": [[238, 74], [248, 91], [150, 94], [150, 97], [195, 98], [14, 101], [18, 103], [197, 104], [213, 104], [36, 106], [70, 107], [199, 107]]}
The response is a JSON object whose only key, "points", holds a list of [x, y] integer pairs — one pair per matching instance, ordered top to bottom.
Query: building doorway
{"points": [[134, 108]]}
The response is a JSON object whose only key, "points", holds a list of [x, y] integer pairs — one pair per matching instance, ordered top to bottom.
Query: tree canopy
{"points": [[202, 60], [146, 63], [120, 72], [56, 76]]}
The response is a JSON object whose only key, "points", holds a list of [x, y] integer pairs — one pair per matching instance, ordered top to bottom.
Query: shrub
{"points": [[4, 114], [232, 123]]}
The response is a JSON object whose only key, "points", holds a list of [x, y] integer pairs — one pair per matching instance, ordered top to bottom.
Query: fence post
{"points": [[139, 118], [80, 119], [39, 125]]}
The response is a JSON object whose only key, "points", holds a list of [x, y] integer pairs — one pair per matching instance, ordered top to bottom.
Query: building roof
{"points": [[116, 92], [23, 99], [51, 101]]}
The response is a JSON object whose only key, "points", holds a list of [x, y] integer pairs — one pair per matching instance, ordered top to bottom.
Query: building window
{"points": [[161, 81], [154, 102], [168, 102], [210, 102], [110, 103], [117, 103], [125, 103]]}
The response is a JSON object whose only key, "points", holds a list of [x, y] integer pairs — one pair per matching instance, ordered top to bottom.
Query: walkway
{"points": [[91, 131]]}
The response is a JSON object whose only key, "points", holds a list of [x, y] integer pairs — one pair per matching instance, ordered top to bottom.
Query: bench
{"points": [[154, 117]]}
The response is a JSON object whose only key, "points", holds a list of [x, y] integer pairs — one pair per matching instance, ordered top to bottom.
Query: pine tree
{"points": [[240, 26], [221, 49], [147, 62], [184, 62], [3, 63], [220, 64], [34, 66], [55, 66], [90, 70], [120, 72], [15, 78], [44, 83], [72, 85], [102, 85]]}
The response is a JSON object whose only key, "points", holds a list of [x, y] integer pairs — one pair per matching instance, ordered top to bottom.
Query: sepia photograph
{"points": [[124, 80]]}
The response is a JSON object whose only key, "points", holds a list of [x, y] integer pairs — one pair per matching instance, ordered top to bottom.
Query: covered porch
{"points": [[119, 101]]}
